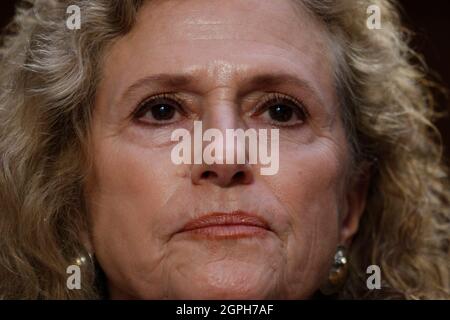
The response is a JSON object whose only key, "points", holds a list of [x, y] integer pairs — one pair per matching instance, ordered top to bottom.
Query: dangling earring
{"points": [[82, 261], [338, 272]]}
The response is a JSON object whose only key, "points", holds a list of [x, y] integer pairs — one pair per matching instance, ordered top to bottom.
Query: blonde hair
{"points": [[49, 75]]}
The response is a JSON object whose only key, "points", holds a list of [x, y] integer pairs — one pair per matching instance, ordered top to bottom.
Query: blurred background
{"points": [[429, 20]]}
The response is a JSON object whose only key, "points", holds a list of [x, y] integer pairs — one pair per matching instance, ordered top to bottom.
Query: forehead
{"points": [[277, 21], [222, 41]]}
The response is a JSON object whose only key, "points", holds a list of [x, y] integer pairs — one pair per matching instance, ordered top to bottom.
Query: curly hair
{"points": [[48, 78]]}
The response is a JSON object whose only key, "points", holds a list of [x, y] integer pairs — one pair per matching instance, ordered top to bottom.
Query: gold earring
{"points": [[82, 261], [338, 272]]}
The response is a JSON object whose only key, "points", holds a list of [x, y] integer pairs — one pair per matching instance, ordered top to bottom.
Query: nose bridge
{"points": [[221, 109], [222, 113]]}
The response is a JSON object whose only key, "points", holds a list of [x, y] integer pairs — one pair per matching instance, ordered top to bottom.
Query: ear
{"points": [[354, 203]]}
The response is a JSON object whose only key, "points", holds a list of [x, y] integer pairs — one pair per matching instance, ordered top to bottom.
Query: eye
{"points": [[161, 109], [282, 110], [281, 113]]}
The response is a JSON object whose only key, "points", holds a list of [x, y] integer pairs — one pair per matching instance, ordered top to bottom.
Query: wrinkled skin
{"points": [[138, 199]]}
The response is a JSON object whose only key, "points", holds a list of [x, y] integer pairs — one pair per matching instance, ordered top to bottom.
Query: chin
{"points": [[229, 280], [245, 291]]}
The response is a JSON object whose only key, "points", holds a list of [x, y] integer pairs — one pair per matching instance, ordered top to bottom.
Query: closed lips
{"points": [[235, 224]]}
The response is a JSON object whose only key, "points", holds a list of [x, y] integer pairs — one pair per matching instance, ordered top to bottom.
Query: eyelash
{"points": [[275, 97], [268, 101], [143, 107]]}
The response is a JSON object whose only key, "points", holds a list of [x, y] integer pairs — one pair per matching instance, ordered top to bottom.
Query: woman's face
{"points": [[220, 63]]}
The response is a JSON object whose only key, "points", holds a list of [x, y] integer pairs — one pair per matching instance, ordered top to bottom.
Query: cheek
{"points": [[124, 175], [309, 182], [308, 186], [121, 206]]}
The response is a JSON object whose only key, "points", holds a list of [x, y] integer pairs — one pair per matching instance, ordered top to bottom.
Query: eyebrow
{"points": [[162, 79], [277, 79], [264, 80]]}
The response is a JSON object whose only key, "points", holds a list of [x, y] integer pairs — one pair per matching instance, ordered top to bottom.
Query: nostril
{"points": [[208, 174], [222, 176], [239, 177]]}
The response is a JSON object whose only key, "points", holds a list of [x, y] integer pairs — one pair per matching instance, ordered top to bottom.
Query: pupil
{"points": [[163, 112], [281, 113]]}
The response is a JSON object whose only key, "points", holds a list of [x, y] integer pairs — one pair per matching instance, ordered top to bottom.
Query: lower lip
{"points": [[227, 231]]}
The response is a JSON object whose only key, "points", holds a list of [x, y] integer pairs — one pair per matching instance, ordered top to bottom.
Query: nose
{"points": [[221, 115], [222, 170], [222, 175]]}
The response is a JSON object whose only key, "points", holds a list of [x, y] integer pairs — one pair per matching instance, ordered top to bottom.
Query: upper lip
{"points": [[223, 219]]}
